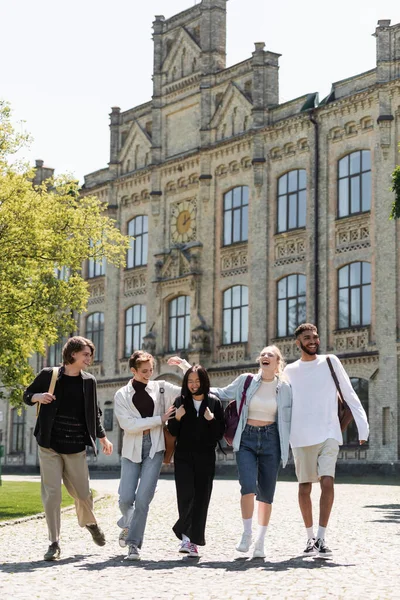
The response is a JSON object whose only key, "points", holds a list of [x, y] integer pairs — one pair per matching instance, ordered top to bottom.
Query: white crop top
{"points": [[263, 406]]}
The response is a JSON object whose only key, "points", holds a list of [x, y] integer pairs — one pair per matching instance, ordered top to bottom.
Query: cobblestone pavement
{"points": [[364, 534]]}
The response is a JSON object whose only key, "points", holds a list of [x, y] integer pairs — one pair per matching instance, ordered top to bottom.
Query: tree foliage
{"points": [[395, 213], [43, 229]]}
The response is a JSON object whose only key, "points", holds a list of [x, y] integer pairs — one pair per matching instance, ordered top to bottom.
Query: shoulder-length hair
{"points": [[203, 377]]}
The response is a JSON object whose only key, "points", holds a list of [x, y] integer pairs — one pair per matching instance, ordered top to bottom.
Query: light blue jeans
{"points": [[136, 490]]}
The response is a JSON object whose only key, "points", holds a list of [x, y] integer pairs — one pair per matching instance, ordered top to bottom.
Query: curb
{"points": [[43, 516]]}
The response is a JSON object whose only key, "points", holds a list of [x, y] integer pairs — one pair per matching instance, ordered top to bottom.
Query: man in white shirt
{"points": [[315, 434]]}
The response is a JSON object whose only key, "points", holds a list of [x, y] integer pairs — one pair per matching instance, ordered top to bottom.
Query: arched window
{"points": [[354, 183], [292, 200], [236, 209], [137, 253], [96, 268], [354, 295], [291, 298], [235, 315], [179, 323], [135, 328], [95, 332], [17, 431], [350, 436]]}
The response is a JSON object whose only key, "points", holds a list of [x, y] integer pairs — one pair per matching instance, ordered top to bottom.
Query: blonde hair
{"points": [[281, 363]]}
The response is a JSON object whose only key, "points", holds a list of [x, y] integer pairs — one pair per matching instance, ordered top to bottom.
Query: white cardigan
{"points": [[133, 424]]}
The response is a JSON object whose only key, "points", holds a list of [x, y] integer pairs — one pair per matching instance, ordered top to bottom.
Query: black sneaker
{"points": [[97, 534], [322, 549], [310, 550], [53, 552]]}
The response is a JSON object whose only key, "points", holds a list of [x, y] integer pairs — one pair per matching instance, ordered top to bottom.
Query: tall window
{"points": [[354, 183], [292, 200], [236, 215], [137, 253], [96, 268], [354, 295], [291, 304], [236, 314], [179, 323], [135, 328], [95, 332], [54, 353], [17, 430], [350, 436]]}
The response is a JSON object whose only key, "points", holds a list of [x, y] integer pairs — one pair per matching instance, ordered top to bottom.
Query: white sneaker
{"points": [[122, 537], [245, 543], [184, 548], [194, 551], [258, 551], [133, 553]]}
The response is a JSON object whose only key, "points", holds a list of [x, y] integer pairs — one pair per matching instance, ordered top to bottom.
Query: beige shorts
{"points": [[313, 462]]}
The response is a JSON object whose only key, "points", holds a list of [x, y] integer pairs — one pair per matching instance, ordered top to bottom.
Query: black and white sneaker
{"points": [[310, 550], [322, 550]]}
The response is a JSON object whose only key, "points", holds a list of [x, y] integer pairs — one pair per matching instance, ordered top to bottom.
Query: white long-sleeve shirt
{"points": [[314, 412], [133, 424]]}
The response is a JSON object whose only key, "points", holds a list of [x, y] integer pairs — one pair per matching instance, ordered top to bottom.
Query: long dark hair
{"points": [[204, 381]]}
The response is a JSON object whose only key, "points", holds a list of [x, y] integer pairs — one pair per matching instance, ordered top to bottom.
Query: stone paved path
{"points": [[364, 534]]}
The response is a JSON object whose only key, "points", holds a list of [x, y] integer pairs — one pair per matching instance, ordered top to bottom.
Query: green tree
{"points": [[395, 212], [42, 229]]}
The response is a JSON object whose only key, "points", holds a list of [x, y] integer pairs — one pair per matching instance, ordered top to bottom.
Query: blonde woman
{"points": [[261, 441]]}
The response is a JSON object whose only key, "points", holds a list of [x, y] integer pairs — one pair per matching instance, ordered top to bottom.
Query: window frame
{"points": [[349, 177], [288, 194], [241, 209], [143, 235], [95, 268], [350, 287], [287, 298], [243, 309], [178, 319], [141, 325], [96, 335], [17, 442]]}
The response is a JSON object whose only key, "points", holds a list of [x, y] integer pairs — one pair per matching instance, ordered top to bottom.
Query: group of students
{"points": [[280, 406]]}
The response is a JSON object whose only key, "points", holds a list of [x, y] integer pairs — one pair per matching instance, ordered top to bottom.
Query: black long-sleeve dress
{"points": [[195, 464]]}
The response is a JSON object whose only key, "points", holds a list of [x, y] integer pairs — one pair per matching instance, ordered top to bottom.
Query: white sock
{"points": [[247, 525], [261, 531], [310, 532], [321, 533], [185, 538]]}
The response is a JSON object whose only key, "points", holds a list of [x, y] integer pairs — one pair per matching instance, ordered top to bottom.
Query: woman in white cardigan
{"points": [[142, 407]]}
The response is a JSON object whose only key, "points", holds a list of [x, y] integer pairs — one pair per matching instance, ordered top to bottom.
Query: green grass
{"points": [[22, 499]]}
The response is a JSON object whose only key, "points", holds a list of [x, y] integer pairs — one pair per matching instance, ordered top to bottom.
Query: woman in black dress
{"points": [[198, 425]]}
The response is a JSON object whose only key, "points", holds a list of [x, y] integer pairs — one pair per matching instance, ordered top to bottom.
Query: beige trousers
{"points": [[72, 469]]}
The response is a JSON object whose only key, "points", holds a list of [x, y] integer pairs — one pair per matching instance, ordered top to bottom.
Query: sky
{"points": [[65, 64]]}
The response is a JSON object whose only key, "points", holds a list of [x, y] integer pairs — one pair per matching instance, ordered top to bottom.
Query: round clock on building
{"points": [[183, 221]]}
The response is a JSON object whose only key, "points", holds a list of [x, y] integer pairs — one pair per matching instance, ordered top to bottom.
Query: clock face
{"points": [[183, 221]]}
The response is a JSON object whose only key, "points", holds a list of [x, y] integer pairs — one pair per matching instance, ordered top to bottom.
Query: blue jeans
{"points": [[258, 460], [136, 490]]}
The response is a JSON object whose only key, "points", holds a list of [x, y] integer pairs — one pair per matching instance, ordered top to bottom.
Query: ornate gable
{"points": [[183, 58], [233, 113], [135, 153], [178, 262]]}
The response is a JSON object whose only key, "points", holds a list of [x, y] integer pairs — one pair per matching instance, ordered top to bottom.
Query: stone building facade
{"points": [[250, 216]]}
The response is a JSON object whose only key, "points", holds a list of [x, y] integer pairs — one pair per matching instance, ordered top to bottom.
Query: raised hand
{"points": [[175, 361], [208, 414]]}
